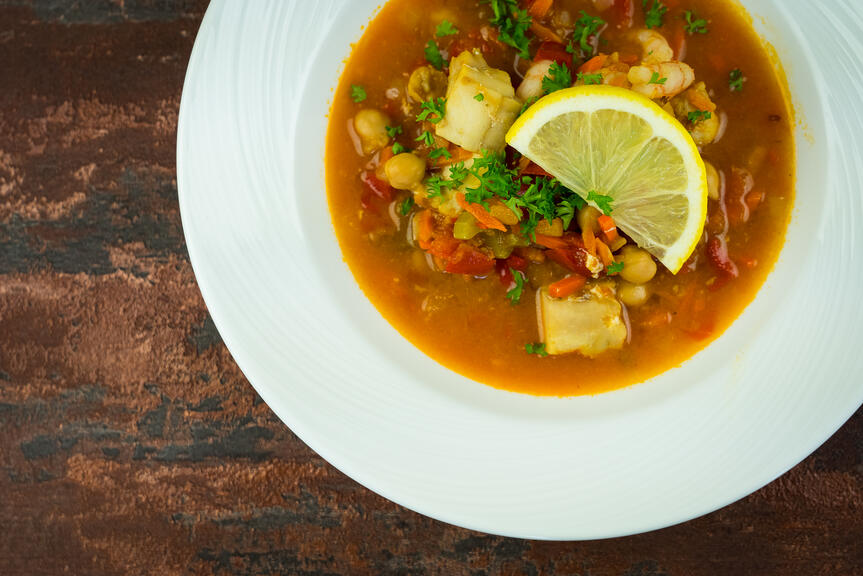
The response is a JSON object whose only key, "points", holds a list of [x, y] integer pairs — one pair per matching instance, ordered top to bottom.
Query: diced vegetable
{"points": [[472, 124], [485, 219], [465, 227], [567, 287], [590, 323]]}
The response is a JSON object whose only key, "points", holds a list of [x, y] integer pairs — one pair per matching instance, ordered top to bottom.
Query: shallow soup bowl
{"points": [[750, 406]]}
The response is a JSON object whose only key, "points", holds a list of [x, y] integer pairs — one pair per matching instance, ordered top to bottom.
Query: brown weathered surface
{"points": [[130, 443]]}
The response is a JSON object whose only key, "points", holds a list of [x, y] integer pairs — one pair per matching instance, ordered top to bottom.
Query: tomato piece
{"points": [[625, 12], [553, 51], [534, 169], [377, 186], [717, 252], [468, 260]]}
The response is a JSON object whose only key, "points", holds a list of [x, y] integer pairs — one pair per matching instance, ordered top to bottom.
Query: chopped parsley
{"points": [[653, 15], [512, 22], [694, 24], [585, 27], [446, 28], [433, 55], [558, 78], [590, 79], [655, 79], [736, 80], [358, 93], [479, 97], [528, 103], [432, 111], [699, 116], [393, 131], [426, 138], [399, 149], [439, 153], [436, 185], [602, 202], [406, 206], [568, 207], [614, 268], [514, 294], [538, 349]]}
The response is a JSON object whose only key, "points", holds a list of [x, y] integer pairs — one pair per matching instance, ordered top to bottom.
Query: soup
{"points": [[485, 259]]}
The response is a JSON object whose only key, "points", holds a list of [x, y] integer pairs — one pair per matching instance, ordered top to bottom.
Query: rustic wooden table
{"points": [[130, 443]]}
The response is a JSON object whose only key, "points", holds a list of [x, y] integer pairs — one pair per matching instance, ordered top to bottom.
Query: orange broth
{"points": [[466, 323]]}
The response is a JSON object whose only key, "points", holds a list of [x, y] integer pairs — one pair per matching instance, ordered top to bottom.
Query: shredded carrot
{"points": [[539, 8], [545, 33], [593, 65], [700, 100], [480, 213], [425, 228], [609, 228], [589, 240], [552, 242], [604, 253], [567, 287]]}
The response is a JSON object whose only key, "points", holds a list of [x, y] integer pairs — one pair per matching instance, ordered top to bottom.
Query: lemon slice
{"points": [[617, 143]]}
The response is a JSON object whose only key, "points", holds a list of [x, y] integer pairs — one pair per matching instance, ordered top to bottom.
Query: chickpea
{"points": [[371, 127], [405, 171], [712, 181], [587, 218], [638, 265], [633, 295]]}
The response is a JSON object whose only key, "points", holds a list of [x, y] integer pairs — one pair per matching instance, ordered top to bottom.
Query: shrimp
{"points": [[654, 46], [613, 71], [664, 80], [531, 86], [704, 129]]}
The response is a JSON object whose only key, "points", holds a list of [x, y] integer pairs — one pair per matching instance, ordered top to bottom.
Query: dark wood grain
{"points": [[130, 443]]}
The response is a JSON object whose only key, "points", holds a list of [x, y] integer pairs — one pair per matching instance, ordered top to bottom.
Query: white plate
{"points": [[751, 406]]}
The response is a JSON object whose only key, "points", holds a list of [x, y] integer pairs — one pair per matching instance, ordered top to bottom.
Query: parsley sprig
{"points": [[653, 15], [512, 22], [694, 24], [446, 28], [586, 28], [433, 55], [558, 78], [590, 79], [655, 79], [736, 80], [358, 93], [432, 110], [699, 116], [604, 203], [514, 293], [537, 349]]}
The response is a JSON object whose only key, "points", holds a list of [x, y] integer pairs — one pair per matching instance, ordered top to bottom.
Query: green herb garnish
{"points": [[653, 15], [512, 22], [694, 24], [585, 27], [446, 28], [433, 55], [558, 78], [590, 79], [655, 79], [736, 80], [358, 93], [479, 97], [432, 111], [699, 116], [393, 131], [426, 138], [399, 149], [439, 153], [604, 203], [406, 206], [614, 268], [514, 294], [538, 349]]}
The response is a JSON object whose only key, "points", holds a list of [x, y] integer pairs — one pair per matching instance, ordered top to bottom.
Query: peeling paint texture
{"points": [[130, 443]]}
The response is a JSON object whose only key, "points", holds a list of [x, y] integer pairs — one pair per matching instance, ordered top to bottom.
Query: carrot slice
{"points": [[539, 8], [593, 65], [480, 213], [425, 228], [609, 228], [589, 239], [552, 242], [604, 253], [567, 287]]}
